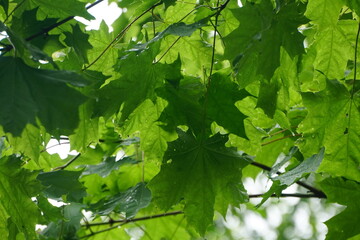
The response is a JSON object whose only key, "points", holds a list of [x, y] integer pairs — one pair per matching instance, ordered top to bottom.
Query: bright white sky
{"points": [[102, 11]]}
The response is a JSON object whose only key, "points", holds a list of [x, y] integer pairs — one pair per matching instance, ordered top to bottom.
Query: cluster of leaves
{"points": [[171, 110]]}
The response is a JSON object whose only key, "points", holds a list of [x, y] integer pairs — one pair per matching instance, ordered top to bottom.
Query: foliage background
{"points": [[172, 111]]}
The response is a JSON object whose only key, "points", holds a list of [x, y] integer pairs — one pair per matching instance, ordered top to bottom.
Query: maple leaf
{"points": [[202, 171]]}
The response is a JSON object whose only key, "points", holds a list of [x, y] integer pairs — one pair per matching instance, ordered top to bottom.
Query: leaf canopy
{"points": [[171, 111]]}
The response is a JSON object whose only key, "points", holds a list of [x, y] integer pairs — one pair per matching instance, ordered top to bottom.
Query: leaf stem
{"points": [[167, 50], [355, 60], [278, 139]]}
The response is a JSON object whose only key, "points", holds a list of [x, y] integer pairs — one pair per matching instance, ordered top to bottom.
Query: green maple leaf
{"points": [[5, 5], [354, 5], [59, 8], [324, 13], [27, 24], [334, 38], [99, 40], [79, 42], [247, 47], [138, 81], [33, 93], [222, 96], [183, 106], [333, 121], [88, 129], [153, 137], [29, 142], [104, 168], [204, 173], [288, 178], [61, 183], [17, 187], [128, 202], [345, 224], [68, 226]]}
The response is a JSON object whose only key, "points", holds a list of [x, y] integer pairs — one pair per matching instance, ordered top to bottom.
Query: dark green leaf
{"points": [[5, 5], [60, 9], [27, 24], [79, 42], [32, 93], [222, 96], [104, 168], [202, 172], [288, 178], [61, 183], [17, 187], [129, 202], [346, 224], [67, 227]]}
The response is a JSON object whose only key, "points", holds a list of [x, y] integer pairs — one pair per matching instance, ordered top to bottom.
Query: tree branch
{"points": [[100, 140], [67, 164], [317, 192], [297, 195], [124, 221]]}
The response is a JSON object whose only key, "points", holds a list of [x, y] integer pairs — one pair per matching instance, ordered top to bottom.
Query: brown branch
{"points": [[281, 131], [99, 140], [67, 164], [314, 190], [297, 195], [124, 221]]}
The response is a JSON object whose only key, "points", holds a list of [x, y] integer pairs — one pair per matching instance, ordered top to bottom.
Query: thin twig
{"points": [[12, 12], [153, 21], [121, 34], [167, 50], [355, 60], [355, 72], [281, 131], [278, 139], [99, 140], [55, 145], [67, 164], [314, 190], [297, 195], [124, 221], [101, 231], [144, 231]]}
